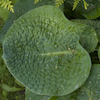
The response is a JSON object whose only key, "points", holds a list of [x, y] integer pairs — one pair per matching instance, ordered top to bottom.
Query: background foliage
{"points": [[8, 3], [10, 88]]}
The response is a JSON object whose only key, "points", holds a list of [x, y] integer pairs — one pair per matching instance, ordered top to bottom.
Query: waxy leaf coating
{"points": [[20, 8], [87, 34], [44, 55], [90, 90], [29, 95]]}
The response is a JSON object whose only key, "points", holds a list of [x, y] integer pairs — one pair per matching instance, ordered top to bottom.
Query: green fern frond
{"points": [[36, 1], [59, 2], [7, 4], [75, 4], [85, 4]]}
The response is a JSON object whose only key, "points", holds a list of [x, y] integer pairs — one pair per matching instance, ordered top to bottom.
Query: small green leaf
{"points": [[4, 13], [99, 53], [18, 83], [10, 89], [5, 94]]}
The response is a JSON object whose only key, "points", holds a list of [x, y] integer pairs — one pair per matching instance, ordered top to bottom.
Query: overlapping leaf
{"points": [[93, 10], [4, 13], [94, 23], [88, 35]]}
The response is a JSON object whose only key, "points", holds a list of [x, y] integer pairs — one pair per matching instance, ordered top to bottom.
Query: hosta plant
{"points": [[49, 54], [52, 66]]}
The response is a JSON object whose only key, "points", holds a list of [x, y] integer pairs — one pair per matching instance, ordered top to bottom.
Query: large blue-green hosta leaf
{"points": [[20, 8], [92, 11], [94, 23], [44, 55], [90, 90]]}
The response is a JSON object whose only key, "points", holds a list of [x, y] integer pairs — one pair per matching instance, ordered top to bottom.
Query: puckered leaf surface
{"points": [[20, 8], [92, 11], [94, 23], [87, 34], [44, 55], [90, 90], [29, 95]]}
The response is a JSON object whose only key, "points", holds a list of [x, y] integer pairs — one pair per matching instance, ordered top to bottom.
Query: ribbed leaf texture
{"points": [[20, 8], [94, 23], [43, 52], [90, 90], [29, 95]]}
